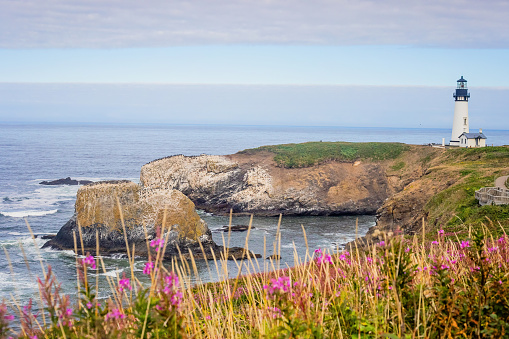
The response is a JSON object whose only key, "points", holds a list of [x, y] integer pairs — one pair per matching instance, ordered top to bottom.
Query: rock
{"points": [[66, 181], [238, 182], [96, 210], [236, 228], [48, 236], [274, 257]]}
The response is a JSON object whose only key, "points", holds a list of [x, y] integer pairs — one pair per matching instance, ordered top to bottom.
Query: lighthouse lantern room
{"points": [[460, 122]]}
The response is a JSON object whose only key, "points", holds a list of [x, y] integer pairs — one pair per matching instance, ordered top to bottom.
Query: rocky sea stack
{"points": [[97, 212]]}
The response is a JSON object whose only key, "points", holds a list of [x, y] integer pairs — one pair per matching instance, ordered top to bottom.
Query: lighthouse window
{"points": [[464, 121]]}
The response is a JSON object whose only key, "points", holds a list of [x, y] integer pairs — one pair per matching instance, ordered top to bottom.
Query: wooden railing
{"points": [[492, 196]]}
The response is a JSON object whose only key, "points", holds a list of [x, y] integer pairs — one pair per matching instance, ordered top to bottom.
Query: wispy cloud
{"points": [[158, 23]]}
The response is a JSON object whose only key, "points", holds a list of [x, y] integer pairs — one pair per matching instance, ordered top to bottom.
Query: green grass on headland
{"points": [[313, 153], [468, 170]]}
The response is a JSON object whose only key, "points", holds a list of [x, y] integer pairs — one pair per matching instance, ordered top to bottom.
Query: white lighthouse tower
{"points": [[460, 122]]}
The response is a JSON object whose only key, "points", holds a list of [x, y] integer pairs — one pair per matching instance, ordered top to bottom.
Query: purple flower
{"points": [[441, 232], [434, 242], [158, 243], [381, 243], [465, 244], [407, 250], [89, 261], [148, 267], [124, 284], [278, 286], [89, 305], [114, 314]]}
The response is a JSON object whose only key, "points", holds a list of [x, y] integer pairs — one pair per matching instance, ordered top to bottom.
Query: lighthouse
{"points": [[460, 122]]}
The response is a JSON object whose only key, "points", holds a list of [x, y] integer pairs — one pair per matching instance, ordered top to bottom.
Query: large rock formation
{"points": [[255, 185], [97, 211]]}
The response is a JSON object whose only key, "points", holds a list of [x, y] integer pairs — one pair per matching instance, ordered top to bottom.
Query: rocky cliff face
{"points": [[253, 184], [97, 210]]}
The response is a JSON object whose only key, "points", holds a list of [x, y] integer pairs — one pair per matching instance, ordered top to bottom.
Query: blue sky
{"points": [[344, 63]]}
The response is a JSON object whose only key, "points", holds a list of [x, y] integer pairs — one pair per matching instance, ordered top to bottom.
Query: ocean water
{"points": [[32, 153]]}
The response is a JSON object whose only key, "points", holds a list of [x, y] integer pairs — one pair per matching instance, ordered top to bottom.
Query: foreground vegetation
{"points": [[312, 153], [397, 288]]}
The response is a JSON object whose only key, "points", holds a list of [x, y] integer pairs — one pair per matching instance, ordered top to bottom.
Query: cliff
{"points": [[253, 182], [402, 184]]}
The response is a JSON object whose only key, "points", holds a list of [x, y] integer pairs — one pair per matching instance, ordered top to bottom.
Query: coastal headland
{"points": [[402, 184], [406, 186]]}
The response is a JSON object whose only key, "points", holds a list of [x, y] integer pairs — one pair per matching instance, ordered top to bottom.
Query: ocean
{"points": [[30, 153]]}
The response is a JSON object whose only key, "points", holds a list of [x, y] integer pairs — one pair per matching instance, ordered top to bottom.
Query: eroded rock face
{"points": [[221, 183], [97, 210]]}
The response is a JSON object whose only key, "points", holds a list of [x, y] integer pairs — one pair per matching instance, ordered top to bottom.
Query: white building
{"points": [[473, 139]]}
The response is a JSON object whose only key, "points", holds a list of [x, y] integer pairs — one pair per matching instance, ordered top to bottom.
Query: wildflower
{"points": [[441, 233], [501, 240], [434, 242], [158, 243], [381, 243], [465, 244], [407, 250], [323, 259], [368, 259], [89, 261], [148, 267], [500, 282], [124, 284], [278, 286], [89, 305], [114, 314], [208, 317]]}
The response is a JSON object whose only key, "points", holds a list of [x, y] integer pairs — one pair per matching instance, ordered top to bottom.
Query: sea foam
{"points": [[21, 214]]}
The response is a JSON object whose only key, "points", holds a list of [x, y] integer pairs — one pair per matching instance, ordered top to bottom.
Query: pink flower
{"points": [[441, 232], [434, 242], [158, 243], [381, 243], [465, 244], [407, 249], [324, 259], [89, 261], [148, 267], [124, 284], [278, 286], [89, 305], [114, 314]]}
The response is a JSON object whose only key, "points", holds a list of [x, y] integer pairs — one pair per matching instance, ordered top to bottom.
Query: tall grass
{"points": [[398, 288]]}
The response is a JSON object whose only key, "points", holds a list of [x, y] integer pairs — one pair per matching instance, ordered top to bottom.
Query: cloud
{"points": [[162, 23]]}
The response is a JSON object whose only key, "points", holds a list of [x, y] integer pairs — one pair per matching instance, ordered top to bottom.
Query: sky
{"points": [[352, 63]]}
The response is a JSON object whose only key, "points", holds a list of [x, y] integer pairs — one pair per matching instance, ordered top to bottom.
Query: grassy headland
{"points": [[312, 153]]}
